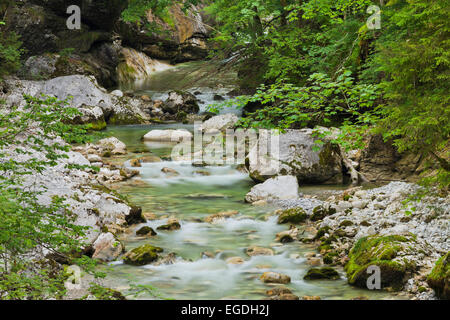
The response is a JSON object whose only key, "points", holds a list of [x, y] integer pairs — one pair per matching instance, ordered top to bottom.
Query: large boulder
{"points": [[83, 93], [179, 101], [220, 122], [168, 135], [296, 154], [278, 188], [392, 254], [142, 255], [439, 278]]}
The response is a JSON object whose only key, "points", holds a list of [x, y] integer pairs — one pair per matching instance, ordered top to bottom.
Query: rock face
{"points": [[41, 25], [185, 40], [135, 65], [95, 104], [297, 157], [380, 161], [282, 187], [389, 253], [439, 278]]}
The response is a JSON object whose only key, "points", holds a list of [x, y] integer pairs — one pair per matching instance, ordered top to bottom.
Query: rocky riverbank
{"points": [[358, 228]]}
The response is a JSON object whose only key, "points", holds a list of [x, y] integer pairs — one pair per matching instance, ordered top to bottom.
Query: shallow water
{"points": [[191, 197]]}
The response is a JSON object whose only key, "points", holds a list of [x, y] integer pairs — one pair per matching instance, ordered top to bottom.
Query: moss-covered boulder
{"points": [[294, 215], [146, 231], [389, 253], [142, 255], [326, 273], [439, 278]]}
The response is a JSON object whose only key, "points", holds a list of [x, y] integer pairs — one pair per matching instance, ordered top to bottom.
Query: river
{"points": [[191, 197]]}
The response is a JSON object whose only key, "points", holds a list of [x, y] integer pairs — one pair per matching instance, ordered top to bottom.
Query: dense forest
{"points": [[366, 68]]}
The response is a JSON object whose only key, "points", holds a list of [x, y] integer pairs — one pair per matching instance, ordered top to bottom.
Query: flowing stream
{"points": [[191, 197]]}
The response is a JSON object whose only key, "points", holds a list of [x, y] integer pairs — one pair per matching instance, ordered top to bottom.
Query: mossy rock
{"points": [[320, 212], [295, 216], [170, 226], [146, 231], [321, 232], [380, 251], [142, 255], [326, 273], [439, 278]]}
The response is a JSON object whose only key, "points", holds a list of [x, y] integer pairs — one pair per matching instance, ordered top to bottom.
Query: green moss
{"points": [[125, 119], [96, 125], [294, 215], [346, 223], [146, 231], [321, 232], [379, 251], [142, 255], [327, 273], [439, 278]]}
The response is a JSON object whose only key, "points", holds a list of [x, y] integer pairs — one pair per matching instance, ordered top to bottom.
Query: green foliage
{"points": [[10, 51], [306, 51], [32, 141]]}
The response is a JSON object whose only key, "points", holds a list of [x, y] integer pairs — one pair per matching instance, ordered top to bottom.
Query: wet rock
{"points": [[117, 93], [168, 135], [150, 159], [135, 163], [170, 172], [202, 173], [283, 187], [135, 216], [294, 216], [214, 218], [172, 224], [146, 231], [287, 236], [107, 247], [259, 251], [207, 254], [142, 255], [171, 258], [235, 260], [315, 262], [321, 273], [274, 277], [439, 278], [278, 291], [288, 296], [311, 298]]}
